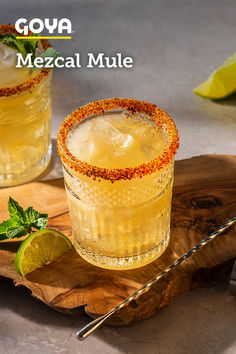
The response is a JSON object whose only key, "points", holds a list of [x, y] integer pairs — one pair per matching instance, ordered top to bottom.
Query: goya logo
{"points": [[36, 25]]}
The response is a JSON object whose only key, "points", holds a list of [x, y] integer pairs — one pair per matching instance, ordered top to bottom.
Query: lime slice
{"points": [[221, 83], [40, 248]]}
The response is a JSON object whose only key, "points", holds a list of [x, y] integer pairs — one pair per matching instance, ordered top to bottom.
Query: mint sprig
{"points": [[23, 46], [27, 46], [50, 52], [21, 221]]}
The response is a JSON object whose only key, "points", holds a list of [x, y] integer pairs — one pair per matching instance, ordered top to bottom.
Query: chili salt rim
{"points": [[31, 83], [157, 115]]}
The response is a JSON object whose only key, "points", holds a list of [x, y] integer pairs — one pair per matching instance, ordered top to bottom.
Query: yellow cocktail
{"points": [[25, 116], [118, 168]]}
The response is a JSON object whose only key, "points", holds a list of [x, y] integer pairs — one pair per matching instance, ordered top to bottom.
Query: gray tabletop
{"points": [[175, 46]]}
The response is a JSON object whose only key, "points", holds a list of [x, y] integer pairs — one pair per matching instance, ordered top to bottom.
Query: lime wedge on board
{"points": [[221, 83], [39, 249]]}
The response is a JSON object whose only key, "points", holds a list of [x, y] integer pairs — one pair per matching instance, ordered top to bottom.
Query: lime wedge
{"points": [[221, 83], [40, 248]]}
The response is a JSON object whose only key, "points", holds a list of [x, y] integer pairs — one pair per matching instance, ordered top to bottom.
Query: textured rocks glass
{"points": [[25, 118], [120, 214]]}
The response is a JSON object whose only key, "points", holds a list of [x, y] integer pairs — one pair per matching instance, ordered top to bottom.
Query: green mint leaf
{"points": [[11, 41], [31, 44], [23, 46], [27, 46], [50, 52], [16, 212], [35, 219], [21, 222], [41, 222], [7, 225], [4, 226], [17, 232]]}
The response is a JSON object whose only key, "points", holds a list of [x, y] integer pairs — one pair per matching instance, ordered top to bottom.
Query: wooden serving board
{"points": [[204, 198]]}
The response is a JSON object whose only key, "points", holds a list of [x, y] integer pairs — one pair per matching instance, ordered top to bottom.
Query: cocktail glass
{"points": [[25, 117], [120, 216]]}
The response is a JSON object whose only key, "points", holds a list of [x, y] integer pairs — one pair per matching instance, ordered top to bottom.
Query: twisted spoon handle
{"points": [[90, 328]]}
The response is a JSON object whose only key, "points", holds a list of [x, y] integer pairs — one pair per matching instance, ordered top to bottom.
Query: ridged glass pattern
{"points": [[25, 144], [120, 225]]}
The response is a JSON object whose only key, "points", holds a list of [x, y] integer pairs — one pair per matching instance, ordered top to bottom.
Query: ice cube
{"points": [[7, 56], [9, 74], [116, 138], [81, 144], [86, 150]]}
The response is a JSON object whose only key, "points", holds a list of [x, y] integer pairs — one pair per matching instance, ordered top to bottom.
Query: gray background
{"points": [[175, 45]]}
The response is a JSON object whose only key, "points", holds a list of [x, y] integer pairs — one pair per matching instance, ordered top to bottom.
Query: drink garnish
{"points": [[27, 46], [221, 83], [21, 221], [39, 249]]}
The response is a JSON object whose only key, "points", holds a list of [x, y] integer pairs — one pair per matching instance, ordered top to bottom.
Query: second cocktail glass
{"points": [[25, 117], [118, 166]]}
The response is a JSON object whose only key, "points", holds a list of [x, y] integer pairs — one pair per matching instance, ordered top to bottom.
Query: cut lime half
{"points": [[221, 83], [39, 249]]}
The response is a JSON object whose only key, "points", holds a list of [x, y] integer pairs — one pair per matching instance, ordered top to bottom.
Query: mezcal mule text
{"points": [[99, 60]]}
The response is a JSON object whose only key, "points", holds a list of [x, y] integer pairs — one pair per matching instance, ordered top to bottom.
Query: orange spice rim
{"points": [[31, 83], [157, 115]]}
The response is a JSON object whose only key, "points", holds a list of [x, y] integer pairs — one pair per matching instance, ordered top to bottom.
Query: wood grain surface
{"points": [[204, 198]]}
